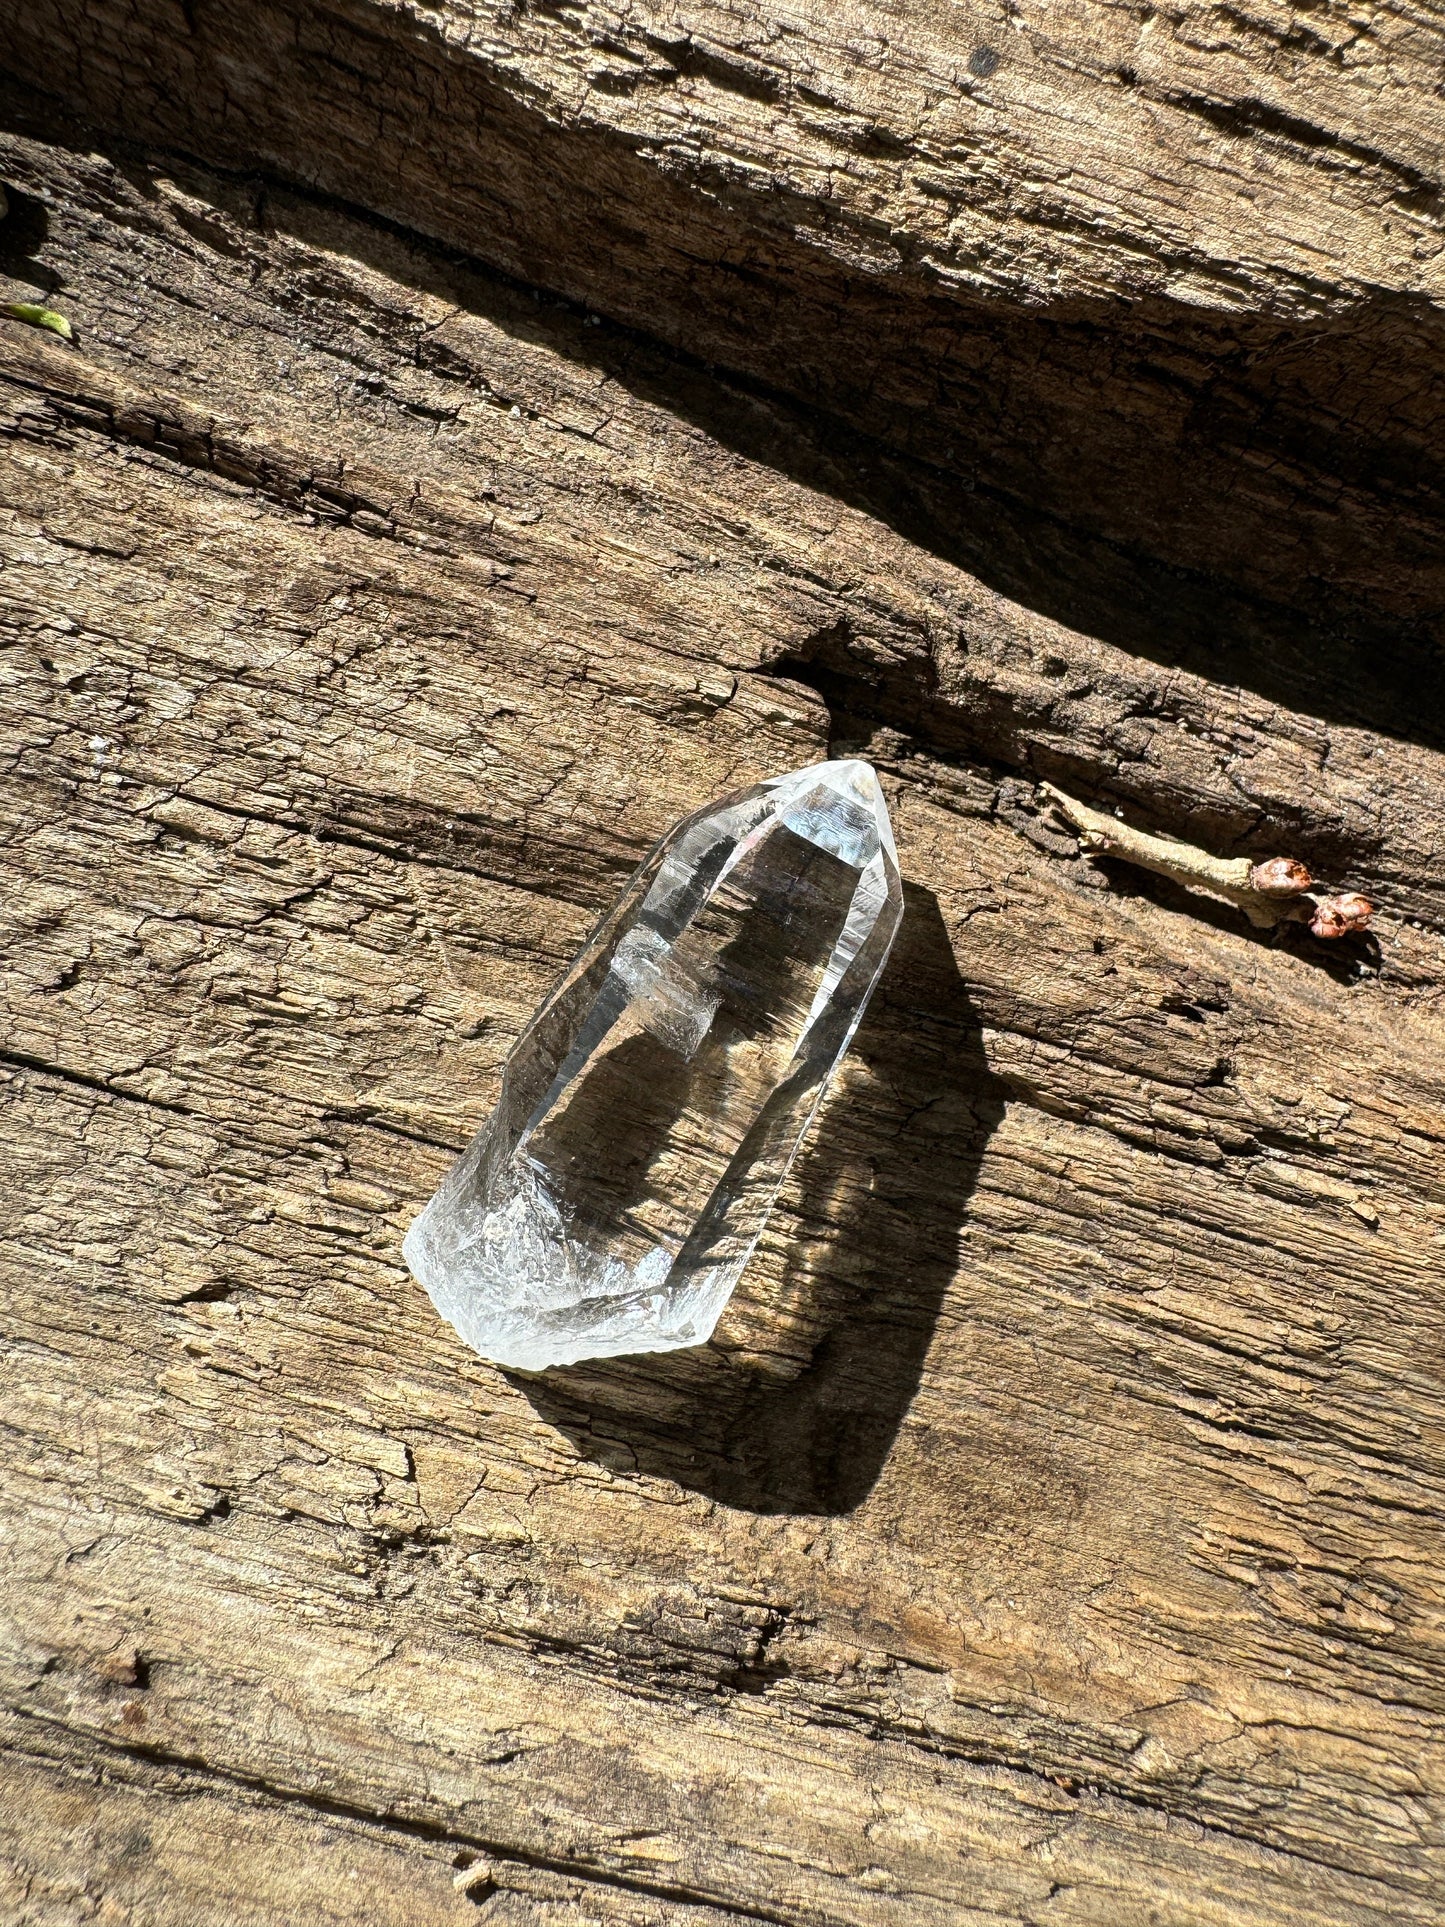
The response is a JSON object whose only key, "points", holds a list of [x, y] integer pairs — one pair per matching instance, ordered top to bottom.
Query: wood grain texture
{"points": [[1151, 297], [1052, 1534]]}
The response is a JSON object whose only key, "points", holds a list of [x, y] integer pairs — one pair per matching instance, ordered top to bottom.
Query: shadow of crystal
{"points": [[794, 1404]]}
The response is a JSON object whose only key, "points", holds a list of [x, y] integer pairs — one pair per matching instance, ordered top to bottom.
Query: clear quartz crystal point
{"points": [[652, 1107]]}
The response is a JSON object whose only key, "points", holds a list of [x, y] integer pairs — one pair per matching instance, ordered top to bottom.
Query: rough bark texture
{"points": [[1152, 293], [1053, 1534]]}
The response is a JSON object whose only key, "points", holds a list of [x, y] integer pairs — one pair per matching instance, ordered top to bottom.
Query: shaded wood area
{"points": [[1151, 296], [1052, 1533]]}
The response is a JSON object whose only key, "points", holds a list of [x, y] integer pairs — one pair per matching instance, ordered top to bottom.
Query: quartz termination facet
{"points": [[652, 1108]]}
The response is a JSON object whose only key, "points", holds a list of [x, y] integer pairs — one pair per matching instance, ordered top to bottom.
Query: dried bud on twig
{"points": [[1281, 876], [1269, 893], [1341, 916]]}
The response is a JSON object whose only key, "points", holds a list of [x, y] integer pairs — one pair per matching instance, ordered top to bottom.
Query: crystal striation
{"points": [[652, 1107]]}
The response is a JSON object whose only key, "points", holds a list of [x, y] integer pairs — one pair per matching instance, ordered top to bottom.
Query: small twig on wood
{"points": [[38, 316], [1279, 890], [477, 1878]]}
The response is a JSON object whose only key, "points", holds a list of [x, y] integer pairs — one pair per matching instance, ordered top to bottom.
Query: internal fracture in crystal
{"points": [[651, 1109]]}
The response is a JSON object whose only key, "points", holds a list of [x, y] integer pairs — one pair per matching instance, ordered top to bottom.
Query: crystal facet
{"points": [[652, 1108]]}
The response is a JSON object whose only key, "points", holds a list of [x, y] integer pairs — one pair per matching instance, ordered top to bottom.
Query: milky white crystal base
{"points": [[652, 1107]]}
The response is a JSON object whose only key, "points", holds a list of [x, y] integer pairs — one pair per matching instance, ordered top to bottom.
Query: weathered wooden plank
{"points": [[1102, 155], [1155, 296], [739, 568], [1055, 1532], [128, 1839], [167, 1847]]}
